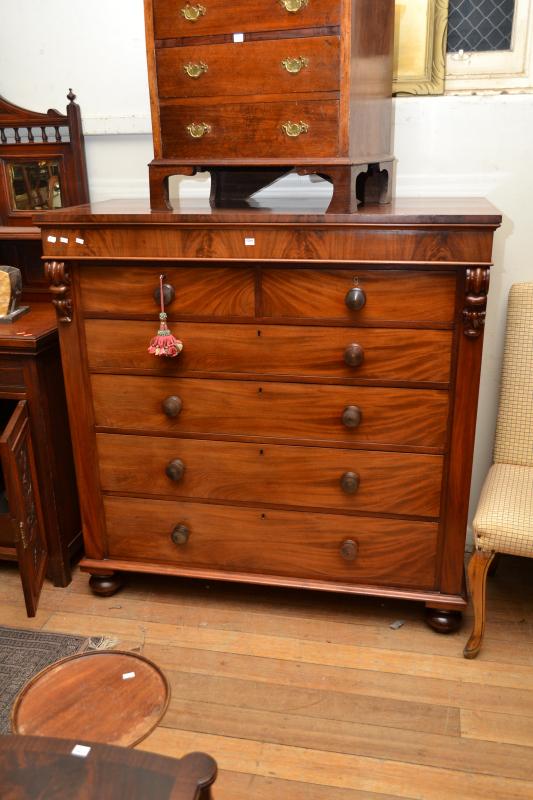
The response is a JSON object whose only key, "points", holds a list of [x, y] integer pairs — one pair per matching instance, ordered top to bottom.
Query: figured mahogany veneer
{"points": [[317, 429]]}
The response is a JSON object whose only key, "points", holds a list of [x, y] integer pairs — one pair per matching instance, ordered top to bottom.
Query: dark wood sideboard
{"points": [[318, 428]]}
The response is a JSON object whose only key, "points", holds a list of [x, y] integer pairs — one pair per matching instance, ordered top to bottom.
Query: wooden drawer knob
{"points": [[169, 293], [355, 299], [354, 355], [172, 405], [352, 416], [175, 470], [350, 482], [180, 534], [349, 550]]}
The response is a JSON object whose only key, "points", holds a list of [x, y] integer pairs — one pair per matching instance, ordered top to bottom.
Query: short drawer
{"points": [[177, 18], [310, 64], [292, 127], [198, 291], [382, 295], [347, 354], [11, 375], [414, 417], [319, 477], [290, 543]]}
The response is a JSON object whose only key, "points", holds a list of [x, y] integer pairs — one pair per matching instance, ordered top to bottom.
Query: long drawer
{"points": [[177, 18], [284, 66], [295, 127], [199, 291], [388, 295], [275, 350], [413, 417], [346, 480], [285, 543]]}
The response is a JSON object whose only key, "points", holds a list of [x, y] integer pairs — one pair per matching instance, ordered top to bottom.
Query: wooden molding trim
{"points": [[59, 279], [476, 289]]}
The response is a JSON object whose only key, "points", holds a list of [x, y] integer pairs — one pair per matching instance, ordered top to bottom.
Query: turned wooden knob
{"points": [[169, 293], [355, 299], [354, 355], [172, 406], [351, 416], [175, 470], [350, 482], [180, 534], [349, 550]]}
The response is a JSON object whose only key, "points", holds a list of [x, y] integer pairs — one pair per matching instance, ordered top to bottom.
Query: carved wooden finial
{"points": [[71, 96]]}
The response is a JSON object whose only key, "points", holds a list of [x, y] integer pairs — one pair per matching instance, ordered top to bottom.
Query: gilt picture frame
{"points": [[421, 28]]}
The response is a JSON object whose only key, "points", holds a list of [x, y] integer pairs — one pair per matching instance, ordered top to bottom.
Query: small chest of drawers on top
{"points": [[253, 89], [317, 429]]}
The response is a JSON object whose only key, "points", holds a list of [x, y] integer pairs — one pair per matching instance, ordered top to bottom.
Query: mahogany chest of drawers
{"points": [[252, 89], [316, 431]]}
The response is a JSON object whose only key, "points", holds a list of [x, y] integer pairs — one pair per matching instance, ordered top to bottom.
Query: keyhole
{"points": [[259, 333], [260, 390], [261, 452], [263, 516]]}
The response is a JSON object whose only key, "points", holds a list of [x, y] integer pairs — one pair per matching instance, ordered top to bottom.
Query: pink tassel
{"points": [[164, 344]]}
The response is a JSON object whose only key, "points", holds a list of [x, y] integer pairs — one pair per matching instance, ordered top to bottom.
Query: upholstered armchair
{"points": [[504, 519]]}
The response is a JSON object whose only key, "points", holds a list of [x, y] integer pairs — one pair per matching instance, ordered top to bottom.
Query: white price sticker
{"points": [[238, 38], [52, 239], [63, 239], [79, 241], [249, 242], [128, 676], [80, 750]]}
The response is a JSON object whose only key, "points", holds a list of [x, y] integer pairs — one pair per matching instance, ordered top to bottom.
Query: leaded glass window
{"points": [[480, 25]]}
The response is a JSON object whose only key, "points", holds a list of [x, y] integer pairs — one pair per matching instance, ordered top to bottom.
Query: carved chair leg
{"points": [[477, 580]]}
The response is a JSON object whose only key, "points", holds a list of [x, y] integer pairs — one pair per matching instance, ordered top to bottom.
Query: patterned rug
{"points": [[24, 653]]}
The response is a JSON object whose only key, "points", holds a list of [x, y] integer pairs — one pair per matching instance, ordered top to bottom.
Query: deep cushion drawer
{"points": [[177, 18], [274, 67], [295, 128], [199, 291], [388, 295], [279, 350], [415, 417], [348, 480], [291, 543]]}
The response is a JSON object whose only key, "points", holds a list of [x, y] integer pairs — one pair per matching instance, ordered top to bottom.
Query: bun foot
{"points": [[106, 585], [443, 621]]}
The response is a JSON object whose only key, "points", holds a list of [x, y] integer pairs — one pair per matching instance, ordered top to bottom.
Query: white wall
{"points": [[446, 146]]}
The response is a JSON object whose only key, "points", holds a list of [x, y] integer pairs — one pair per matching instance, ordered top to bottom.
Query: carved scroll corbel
{"points": [[59, 280], [477, 287]]}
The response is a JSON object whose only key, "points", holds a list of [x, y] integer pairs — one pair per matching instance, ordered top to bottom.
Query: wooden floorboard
{"points": [[310, 696]]}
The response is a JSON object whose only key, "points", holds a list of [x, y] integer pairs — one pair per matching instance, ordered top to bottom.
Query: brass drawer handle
{"points": [[293, 5], [193, 13], [295, 65], [195, 70], [198, 129], [294, 129], [355, 299], [354, 355], [172, 406], [352, 416], [175, 470], [350, 482], [180, 534], [349, 550]]}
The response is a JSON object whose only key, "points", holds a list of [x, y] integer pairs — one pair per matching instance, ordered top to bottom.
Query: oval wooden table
{"points": [[103, 696], [41, 768]]}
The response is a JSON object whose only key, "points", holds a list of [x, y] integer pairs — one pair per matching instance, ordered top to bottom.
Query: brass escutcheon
{"points": [[293, 5], [193, 13], [295, 65], [195, 70], [198, 129], [293, 129]]}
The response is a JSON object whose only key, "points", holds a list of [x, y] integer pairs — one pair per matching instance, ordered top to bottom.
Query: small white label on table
{"points": [[238, 37], [52, 239], [63, 239], [79, 241], [249, 242], [128, 676], [81, 750]]}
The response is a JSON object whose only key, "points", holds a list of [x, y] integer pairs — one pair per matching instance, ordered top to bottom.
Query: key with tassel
{"points": [[164, 344]]}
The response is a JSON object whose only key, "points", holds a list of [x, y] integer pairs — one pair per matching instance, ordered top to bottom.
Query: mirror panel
{"points": [[34, 185]]}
